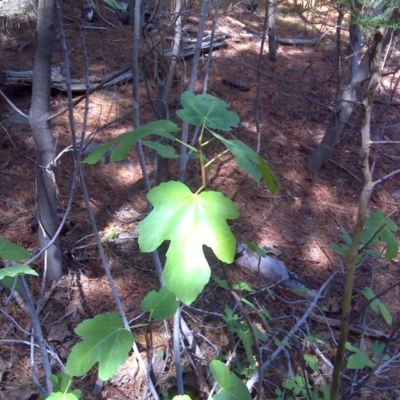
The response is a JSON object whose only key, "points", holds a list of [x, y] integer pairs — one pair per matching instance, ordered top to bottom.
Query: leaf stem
{"points": [[186, 144], [216, 157], [202, 165]]}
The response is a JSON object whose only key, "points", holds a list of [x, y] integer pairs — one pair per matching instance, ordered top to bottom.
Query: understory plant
{"points": [[189, 220]]}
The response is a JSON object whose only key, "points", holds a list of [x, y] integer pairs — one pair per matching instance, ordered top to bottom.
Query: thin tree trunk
{"points": [[271, 30], [355, 41], [375, 56], [343, 112], [42, 133]]}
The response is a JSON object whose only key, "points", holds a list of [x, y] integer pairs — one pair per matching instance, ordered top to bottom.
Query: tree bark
{"points": [[271, 30], [343, 111], [42, 133]]}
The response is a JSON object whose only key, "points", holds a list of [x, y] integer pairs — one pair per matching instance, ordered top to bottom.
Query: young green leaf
{"points": [[115, 4], [204, 109], [123, 143], [163, 150], [249, 161], [189, 221], [381, 228], [345, 236], [254, 247], [342, 249], [11, 252], [18, 269], [9, 283], [222, 283], [242, 286], [161, 305], [377, 305], [104, 341], [279, 343], [377, 349], [359, 359], [311, 362], [228, 382], [62, 385], [62, 396], [182, 397]]}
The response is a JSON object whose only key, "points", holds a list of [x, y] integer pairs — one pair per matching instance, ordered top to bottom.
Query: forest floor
{"points": [[298, 92]]}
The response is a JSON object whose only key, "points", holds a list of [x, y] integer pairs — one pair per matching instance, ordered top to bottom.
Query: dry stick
{"points": [[209, 59], [193, 78], [135, 81], [95, 89], [258, 93], [12, 105], [136, 117], [88, 206], [112, 284], [38, 335], [254, 379]]}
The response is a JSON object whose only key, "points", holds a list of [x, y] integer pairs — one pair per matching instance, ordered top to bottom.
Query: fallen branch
{"points": [[298, 42], [59, 80], [274, 270], [337, 323], [254, 379]]}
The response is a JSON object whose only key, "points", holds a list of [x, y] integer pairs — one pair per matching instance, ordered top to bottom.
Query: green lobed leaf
{"points": [[115, 4], [204, 109], [123, 143], [163, 150], [249, 161], [189, 221], [381, 228], [346, 237], [254, 247], [342, 249], [11, 252], [17, 269], [9, 283], [222, 283], [242, 286], [161, 305], [378, 306], [243, 333], [104, 341], [377, 349], [359, 360], [311, 362], [228, 381], [62, 385], [63, 396], [223, 396], [181, 397]]}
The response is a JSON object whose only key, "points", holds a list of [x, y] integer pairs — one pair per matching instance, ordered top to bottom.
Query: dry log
{"points": [[298, 42], [59, 81], [273, 270]]}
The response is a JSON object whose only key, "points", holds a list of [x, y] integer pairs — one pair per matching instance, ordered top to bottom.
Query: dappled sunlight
{"points": [[298, 93]]}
